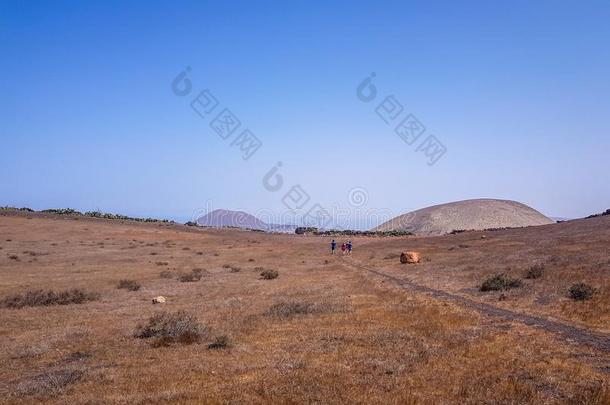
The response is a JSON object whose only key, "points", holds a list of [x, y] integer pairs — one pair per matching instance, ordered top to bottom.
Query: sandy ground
{"points": [[366, 340]]}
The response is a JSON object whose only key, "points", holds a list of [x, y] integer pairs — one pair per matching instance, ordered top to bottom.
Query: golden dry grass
{"points": [[321, 331]]}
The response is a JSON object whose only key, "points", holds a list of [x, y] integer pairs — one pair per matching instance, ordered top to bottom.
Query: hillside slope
{"points": [[468, 214]]}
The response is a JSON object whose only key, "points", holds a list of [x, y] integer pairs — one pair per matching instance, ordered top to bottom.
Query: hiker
{"points": [[333, 246], [343, 246], [349, 247]]}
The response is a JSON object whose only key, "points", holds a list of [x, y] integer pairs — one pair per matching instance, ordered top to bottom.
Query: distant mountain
{"points": [[474, 214], [226, 218], [240, 219]]}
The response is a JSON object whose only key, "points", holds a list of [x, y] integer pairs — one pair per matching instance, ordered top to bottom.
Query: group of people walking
{"points": [[346, 247]]}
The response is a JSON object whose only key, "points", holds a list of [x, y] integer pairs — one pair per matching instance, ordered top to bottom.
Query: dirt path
{"points": [[570, 333]]}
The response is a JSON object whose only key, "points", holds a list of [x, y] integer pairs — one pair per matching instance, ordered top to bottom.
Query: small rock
{"points": [[159, 300]]}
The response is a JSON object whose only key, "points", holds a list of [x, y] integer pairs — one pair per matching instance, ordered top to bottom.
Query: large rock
{"points": [[410, 257]]}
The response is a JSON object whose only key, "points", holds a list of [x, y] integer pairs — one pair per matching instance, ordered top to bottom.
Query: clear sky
{"points": [[517, 92]]}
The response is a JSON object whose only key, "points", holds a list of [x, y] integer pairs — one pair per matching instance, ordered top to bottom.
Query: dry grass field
{"points": [[326, 329]]}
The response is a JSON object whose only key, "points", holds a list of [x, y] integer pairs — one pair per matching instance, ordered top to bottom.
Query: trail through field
{"points": [[569, 333]]}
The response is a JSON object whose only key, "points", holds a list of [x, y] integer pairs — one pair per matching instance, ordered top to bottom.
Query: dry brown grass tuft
{"points": [[534, 272], [166, 274], [269, 274], [194, 275], [500, 282], [130, 285], [581, 292], [39, 298], [293, 308], [166, 328], [220, 342], [50, 383]]}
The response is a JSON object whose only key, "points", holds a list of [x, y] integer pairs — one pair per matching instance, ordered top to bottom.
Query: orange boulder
{"points": [[410, 257]]}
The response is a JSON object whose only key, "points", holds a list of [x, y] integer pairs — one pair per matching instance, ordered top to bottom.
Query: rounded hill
{"points": [[474, 214]]}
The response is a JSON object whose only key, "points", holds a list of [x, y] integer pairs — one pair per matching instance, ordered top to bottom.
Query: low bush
{"points": [[7, 208], [62, 211], [607, 212], [301, 230], [351, 232], [536, 271], [166, 274], [269, 274], [194, 275], [500, 282], [130, 285], [581, 291], [39, 298], [288, 309], [166, 328], [220, 342], [50, 383]]}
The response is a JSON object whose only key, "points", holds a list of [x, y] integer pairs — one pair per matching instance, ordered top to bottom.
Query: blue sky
{"points": [[517, 92]]}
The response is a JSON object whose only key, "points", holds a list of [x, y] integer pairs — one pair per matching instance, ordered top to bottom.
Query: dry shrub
{"points": [[161, 263], [234, 269], [536, 271], [166, 274], [269, 274], [194, 275], [500, 282], [130, 285], [581, 292], [38, 298], [289, 309], [167, 328], [220, 342], [50, 383]]}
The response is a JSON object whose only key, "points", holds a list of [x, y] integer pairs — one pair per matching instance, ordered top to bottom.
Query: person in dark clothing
{"points": [[333, 246], [349, 247]]}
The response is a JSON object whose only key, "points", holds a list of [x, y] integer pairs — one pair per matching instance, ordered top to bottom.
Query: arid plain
{"points": [[328, 329]]}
